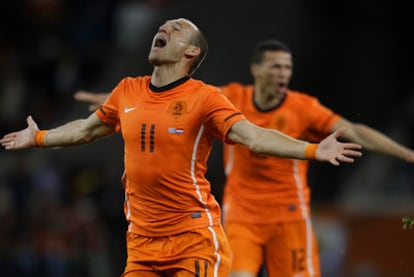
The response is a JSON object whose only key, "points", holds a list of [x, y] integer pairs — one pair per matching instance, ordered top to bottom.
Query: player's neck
{"points": [[164, 75], [267, 98]]}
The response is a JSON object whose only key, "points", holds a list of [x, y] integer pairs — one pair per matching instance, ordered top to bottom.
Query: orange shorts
{"points": [[285, 248], [200, 252]]}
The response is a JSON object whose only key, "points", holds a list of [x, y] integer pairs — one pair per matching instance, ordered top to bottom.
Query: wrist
{"points": [[40, 137], [310, 151]]}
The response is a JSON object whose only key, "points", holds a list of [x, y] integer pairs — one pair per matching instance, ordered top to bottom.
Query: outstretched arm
{"points": [[94, 99], [73, 133], [373, 140], [274, 143]]}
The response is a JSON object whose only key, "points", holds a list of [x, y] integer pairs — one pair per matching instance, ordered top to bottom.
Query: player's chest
{"points": [[175, 118], [284, 119]]}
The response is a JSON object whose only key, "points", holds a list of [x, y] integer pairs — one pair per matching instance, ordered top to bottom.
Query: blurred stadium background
{"points": [[61, 210]]}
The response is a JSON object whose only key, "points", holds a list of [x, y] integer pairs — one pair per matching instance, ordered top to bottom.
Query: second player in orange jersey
{"points": [[266, 201]]}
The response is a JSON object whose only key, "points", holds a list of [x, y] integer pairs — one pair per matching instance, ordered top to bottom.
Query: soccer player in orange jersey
{"points": [[168, 121], [267, 200]]}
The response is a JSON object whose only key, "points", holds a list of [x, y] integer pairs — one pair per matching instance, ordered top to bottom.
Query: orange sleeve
{"points": [[232, 89], [220, 110], [108, 112], [322, 119]]}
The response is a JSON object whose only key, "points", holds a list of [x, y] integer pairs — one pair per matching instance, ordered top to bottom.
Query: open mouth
{"points": [[160, 42], [282, 87]]}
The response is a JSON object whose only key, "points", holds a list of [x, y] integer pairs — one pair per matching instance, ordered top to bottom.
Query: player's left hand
{"points": [[21, 139], [336, 152]]}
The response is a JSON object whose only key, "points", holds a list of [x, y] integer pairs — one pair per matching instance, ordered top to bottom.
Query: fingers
{"points": [[79, 95], [85, 96], [92, 98], [31, 123], [8, 138], [8, 141], [10, 145], [349, 145], [352, 153], [347, 154], [341, 159], [345, 159], [334, 162]]}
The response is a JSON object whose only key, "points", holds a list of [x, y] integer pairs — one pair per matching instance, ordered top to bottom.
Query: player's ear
{"points": [[192, 51]]}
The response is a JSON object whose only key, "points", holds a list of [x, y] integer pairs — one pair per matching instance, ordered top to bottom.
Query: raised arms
{"points": [[73, 133], [373, 140], [274, 143]]}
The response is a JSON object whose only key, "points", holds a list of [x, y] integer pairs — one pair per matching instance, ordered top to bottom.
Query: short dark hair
{"points": [[199, 40], [267, 45]]}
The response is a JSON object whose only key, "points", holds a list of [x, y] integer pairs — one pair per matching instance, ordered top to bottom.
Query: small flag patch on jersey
{"points": [[177, 131], [196, 215]]}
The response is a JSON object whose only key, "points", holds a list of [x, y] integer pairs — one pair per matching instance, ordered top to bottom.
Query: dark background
{"points": [[61, 210]]}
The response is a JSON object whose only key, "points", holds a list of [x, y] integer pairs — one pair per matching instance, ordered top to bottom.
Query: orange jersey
{"points": [[168, 136], [263, 189]]}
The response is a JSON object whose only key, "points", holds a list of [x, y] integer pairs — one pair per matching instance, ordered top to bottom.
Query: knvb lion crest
{"points": [[178, 108], [280, 123]]}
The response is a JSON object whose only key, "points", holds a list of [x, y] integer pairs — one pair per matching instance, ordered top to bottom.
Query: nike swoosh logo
{"points": [[127, 110]]}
